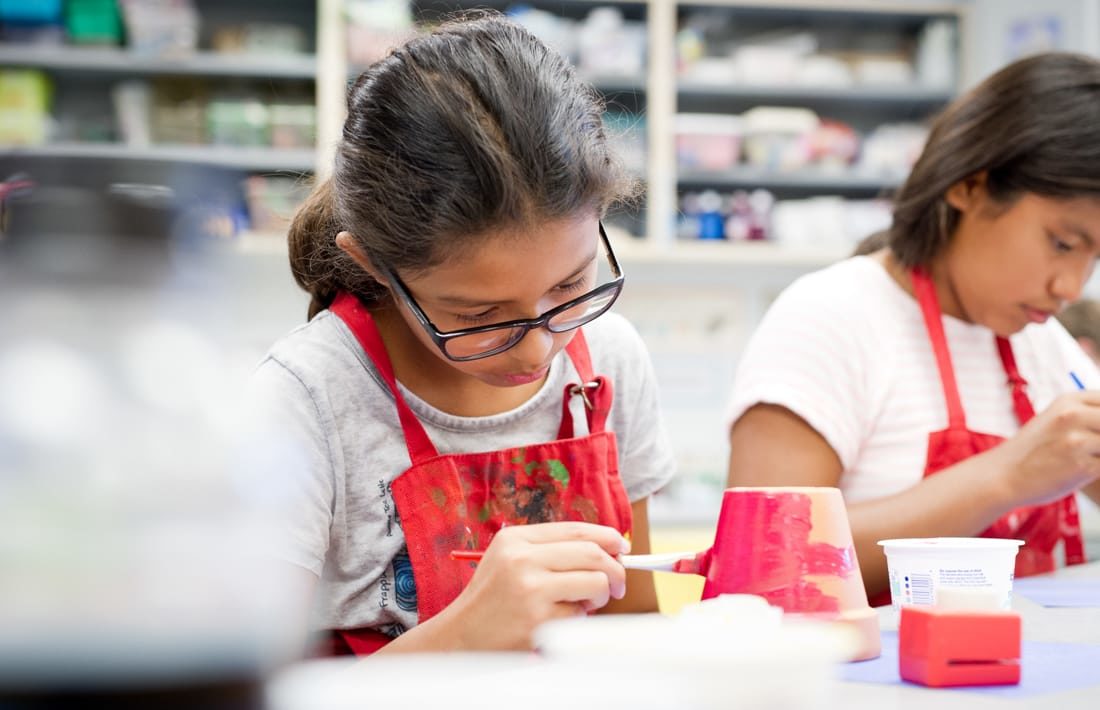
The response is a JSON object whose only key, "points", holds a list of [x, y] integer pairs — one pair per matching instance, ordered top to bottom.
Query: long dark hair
{"points": [[472, 127], [1033, 127]]}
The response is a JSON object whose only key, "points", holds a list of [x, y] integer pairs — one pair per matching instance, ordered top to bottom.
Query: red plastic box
{"points": [[959, 647]]}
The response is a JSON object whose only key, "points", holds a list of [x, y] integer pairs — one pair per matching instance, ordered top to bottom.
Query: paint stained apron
{"points": [[451, 502], [1039, 526]]}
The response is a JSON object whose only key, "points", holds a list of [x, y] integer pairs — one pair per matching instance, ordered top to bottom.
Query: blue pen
{"points": [[1076, 380]]}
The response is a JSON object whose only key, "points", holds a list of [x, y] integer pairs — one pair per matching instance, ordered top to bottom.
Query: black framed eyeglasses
{"points": [[487, 340]]}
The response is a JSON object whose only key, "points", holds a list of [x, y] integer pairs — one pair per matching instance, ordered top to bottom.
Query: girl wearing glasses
{"points": [[928, 379], [444, 395]]}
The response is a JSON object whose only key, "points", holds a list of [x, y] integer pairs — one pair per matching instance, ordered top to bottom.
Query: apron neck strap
{"points": [[925, 291], [351, 310], [1021, 403], [420, 446]]}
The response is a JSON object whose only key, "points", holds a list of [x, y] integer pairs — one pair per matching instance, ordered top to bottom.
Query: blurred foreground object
{"points": [[134, 548]]}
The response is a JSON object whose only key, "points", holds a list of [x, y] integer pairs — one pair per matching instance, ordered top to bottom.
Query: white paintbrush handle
{"points": [[663, 562]]}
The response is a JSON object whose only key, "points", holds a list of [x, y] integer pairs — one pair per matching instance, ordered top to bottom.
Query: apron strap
{"points": [[925, 291], [362, 325], [596, 392], [1021, 404], [419, 444]]}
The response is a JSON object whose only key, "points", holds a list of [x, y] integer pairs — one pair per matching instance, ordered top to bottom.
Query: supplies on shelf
{"points": [[31, 21], [93, 22], [376, 26], [161, 27], [263, 38], [603, 45], [608, 45], [715, 48], [25, 96], [178, 111], [184, 112], [238, 121], [778, 138], [783, 140], [708, 141], [738, 216], [827, 222], [816, 223]]}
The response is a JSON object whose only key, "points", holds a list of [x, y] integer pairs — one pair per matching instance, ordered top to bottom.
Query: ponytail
{"points": [[313, 250]]}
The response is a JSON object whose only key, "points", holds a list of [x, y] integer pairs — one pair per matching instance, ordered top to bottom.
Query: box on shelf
{"points": [[30, 12], [93, 22], [375, 26], [161, 27], [24, 107], [178, 114], [238, 122], [293, 125], [778, 137], [707, 141]]}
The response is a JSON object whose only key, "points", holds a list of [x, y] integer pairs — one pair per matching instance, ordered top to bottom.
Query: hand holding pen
{"points": [[1056, 452], [530, 574]]}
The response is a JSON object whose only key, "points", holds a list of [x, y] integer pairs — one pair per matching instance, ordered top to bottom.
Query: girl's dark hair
{"points": [[473, 127], [1033, 127]]}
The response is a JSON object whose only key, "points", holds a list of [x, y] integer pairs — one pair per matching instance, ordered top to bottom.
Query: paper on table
{"points": [[1059, 592], [1045, 668]]}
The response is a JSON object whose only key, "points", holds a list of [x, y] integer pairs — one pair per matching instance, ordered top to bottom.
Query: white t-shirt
{"points": [[846, 349], [340, 446]]}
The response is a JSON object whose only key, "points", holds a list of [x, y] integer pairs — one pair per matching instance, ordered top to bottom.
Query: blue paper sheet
{"points": [[1059, 592], [1045, 668]]}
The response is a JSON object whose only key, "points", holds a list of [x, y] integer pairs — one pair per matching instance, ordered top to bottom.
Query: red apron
{"points": [[459, 501], [1039, 526]]}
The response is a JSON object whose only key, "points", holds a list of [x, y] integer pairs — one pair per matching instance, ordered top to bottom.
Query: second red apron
{"points": [[1039, 526]]}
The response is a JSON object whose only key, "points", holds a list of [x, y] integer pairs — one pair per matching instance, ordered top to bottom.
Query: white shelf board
{"points": [[870, 7], [109, 60], [901, 95], [251, 159], [809, 180], [631, 250], [719, 253]]}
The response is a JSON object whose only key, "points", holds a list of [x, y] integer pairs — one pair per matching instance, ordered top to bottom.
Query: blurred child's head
{"points": [[474, 130], [1082, 320]]}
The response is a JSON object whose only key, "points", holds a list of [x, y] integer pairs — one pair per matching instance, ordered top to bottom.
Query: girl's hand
{"points": [[1057, 452], [534, 573]]}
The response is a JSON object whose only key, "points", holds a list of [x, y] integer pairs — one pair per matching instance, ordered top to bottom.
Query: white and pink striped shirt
{"points": [[845, 349]]}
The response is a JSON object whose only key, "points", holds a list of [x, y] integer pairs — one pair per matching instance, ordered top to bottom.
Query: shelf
{"points": [[846, 9], [104, 60], [607, 83], [612, 84], [901, 96], [249, 159], [806, 181], [635, 251], [723, 253]]}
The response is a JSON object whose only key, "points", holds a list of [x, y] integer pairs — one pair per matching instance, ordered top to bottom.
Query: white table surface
{"points": [[1067, 625]]}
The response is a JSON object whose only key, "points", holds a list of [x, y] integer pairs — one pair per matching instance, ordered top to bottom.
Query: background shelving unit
{"points": [[126, 105], [695, 302]]}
